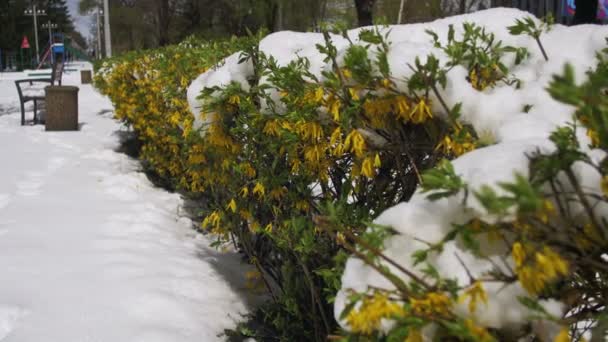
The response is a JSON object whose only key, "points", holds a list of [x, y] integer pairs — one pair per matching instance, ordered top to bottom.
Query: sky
{"points": [[81, 22]]}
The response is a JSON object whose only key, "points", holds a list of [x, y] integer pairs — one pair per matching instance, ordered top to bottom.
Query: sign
{"points": [[602, 9], [25, 44]]}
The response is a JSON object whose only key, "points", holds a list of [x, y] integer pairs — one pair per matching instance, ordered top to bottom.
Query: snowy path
{"points": [[89, 249]]}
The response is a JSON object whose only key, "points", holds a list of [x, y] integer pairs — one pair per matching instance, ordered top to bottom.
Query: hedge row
{"points": [[296, 182]]}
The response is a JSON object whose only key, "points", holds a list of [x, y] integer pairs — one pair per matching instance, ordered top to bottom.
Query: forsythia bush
{"points": [[148, 89], [294, 167], [544, 233]]}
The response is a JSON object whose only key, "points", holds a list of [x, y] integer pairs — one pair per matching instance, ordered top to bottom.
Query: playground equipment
{"points": [[61, 47], [55, 49]]}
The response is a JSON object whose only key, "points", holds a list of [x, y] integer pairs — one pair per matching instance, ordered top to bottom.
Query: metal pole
{"points": [[106, 10], [50, 33], [36, 34], [98, 54]]}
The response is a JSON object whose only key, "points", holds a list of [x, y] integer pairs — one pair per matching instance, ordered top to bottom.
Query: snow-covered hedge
{"points": [[148, 89], [309, 148]]}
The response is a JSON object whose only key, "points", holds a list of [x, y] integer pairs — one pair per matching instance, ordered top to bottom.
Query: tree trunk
{"points": [[463, 7], [364, 12], [586, 12], [400, 16], [163, 22]]}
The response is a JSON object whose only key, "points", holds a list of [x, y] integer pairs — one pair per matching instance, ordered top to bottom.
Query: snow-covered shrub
{"points": [[148, 89], [315, 138], [309, 148], [477, 257], [524, 259]]}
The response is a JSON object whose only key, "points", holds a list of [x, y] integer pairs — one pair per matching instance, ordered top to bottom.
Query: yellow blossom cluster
{"points": [[483, 77], [149, 94], [536, 269], [431, 305], [367, 318]]}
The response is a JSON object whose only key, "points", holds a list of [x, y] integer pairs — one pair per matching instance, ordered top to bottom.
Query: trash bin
{"points": [[86, 77], [61, 108]]}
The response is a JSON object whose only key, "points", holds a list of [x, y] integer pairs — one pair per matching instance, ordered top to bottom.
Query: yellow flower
{"points": [[346, 73], [319, 94], [354, 94], [234, 100], [402, 108], [334, 109], [421, 112], [272, 128], [309, 130], [336, 136], [594, 136], [355, 143], [457, 146], [313, 154], [377, 162], [367, 168], [259, 190], [232, 205], [302, 205], [546, 211], [212, 219], [268, 228], [340, 238], [518, 253], [554, 262], [548, 266], [476, 293], [433, 303], [368, 317], [480, 333], [563, 336]]}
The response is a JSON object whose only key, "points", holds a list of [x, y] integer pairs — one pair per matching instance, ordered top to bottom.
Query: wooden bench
{"points": [[31, 93]]}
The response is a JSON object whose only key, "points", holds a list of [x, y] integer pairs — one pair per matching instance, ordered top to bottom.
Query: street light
{"points": [[35, 12], [99, 13], [49, 25], [106, 26]]}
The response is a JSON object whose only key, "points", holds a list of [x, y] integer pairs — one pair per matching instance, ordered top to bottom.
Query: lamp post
{"points": [[35, 12], [99, 13], [49, 25], [106, 26]]}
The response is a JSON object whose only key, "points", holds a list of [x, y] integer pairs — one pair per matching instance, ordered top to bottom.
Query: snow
{"points": [[497, 112], [90, 250]]}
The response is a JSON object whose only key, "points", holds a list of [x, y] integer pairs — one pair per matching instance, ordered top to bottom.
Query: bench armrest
{"points": [[30, 81]]}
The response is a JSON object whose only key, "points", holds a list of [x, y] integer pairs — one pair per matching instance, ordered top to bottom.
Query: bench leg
{"points": [[35, 112], [22, 114]]}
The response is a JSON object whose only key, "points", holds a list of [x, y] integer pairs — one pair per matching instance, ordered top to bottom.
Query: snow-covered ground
{"points": [[90, 250]]}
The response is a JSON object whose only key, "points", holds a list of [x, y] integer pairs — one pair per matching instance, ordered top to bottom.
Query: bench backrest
{"points": [[57, 72]]}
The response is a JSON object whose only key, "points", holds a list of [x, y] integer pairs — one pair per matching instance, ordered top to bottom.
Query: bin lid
{"points": [[64, 89]]}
